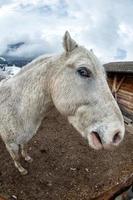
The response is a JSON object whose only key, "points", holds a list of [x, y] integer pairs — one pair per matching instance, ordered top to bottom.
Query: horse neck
{"points": [[37, 80], [34, 81]]}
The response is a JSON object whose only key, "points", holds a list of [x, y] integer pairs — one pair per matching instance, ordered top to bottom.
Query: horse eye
{"points": [[84, 72]]}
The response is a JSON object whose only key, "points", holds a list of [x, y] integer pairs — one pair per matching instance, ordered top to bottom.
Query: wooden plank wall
{"points": [[124, 95]]}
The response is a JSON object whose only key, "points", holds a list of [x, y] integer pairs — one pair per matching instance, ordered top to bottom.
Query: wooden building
{"points": [[120, 79]]}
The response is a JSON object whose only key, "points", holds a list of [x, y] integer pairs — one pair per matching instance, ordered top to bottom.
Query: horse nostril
{"points": [[97, 136], [116, 138]]}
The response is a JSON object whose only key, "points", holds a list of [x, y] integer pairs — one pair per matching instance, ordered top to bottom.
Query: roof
{"points": [[120, 67]]}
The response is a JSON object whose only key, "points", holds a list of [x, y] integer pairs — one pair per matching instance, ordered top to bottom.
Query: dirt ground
{"points": [[64, 167]]}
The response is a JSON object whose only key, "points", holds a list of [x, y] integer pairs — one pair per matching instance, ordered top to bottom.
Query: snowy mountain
{"points": [[10, 57], [18, 61], [9, 64], [7, 70], [12, 70]]}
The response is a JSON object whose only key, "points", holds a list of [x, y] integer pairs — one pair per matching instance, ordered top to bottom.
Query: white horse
{"points": [[75, 83]]}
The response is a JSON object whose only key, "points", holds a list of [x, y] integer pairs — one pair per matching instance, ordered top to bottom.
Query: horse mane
{"points": [[36, 62]]}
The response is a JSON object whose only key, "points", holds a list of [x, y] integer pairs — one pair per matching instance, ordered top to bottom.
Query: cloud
{"points": [[105, 26], [121, 54]]}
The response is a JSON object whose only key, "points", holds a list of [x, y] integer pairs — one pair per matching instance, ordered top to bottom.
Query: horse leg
{"points": [[13, 149], [25, 154]]}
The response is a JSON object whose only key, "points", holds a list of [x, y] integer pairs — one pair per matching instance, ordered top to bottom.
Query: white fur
{"points": [[53, 81]]}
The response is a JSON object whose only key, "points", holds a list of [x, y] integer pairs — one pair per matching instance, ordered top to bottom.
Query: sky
{"points": [[106, 26]]}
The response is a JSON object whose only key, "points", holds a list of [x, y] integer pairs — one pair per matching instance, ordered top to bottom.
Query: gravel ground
{"points": [[65, 167]]}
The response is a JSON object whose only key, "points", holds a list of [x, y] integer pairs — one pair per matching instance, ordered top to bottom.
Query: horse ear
{"points": [[68, 43]]}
